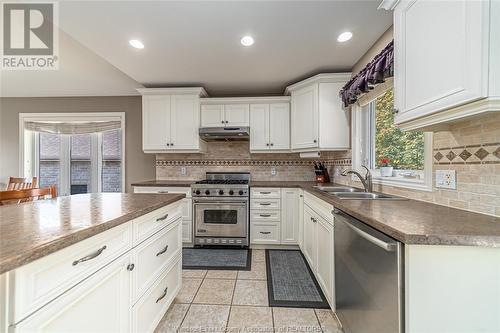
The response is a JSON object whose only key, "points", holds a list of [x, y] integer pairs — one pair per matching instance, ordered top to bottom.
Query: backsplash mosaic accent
{"points": [[474, 154], [236, 157]]}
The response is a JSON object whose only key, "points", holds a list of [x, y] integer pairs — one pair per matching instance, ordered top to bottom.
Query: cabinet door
{"points": [[439, 64], [237, 114], [212, 116], [304, 118], [185, 121], [155, 122], [259, 127], [279, 128], [290, 203], [301, 219], [309, 237], [325, 269], [99, 304]]}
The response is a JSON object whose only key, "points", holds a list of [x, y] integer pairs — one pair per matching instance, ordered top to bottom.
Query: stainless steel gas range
{"points": [[221, 209]]}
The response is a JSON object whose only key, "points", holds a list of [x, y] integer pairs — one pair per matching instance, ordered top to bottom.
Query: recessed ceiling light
{"points": [[344, 37], [247, 40], [136, 43]]}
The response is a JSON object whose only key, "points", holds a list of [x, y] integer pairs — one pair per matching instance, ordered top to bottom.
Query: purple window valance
{"points": [[380, 68]]}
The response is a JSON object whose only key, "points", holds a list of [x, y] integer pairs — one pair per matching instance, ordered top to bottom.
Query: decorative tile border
{"points": [[488, 153], [331, 162]]}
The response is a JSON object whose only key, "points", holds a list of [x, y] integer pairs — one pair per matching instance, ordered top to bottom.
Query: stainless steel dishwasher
{"points": [[368, 278]]}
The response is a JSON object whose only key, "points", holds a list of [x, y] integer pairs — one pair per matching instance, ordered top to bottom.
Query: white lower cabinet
{"points": [[186, 206], [290, 214], [309, 243], [317, 244], [325, 258], [129, 291], [99, 304], [148, 311]]}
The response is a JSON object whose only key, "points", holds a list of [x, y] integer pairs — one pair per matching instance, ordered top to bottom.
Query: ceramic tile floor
{"points": [[236, 301]]}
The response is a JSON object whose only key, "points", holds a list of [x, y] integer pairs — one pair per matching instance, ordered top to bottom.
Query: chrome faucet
{"points": [[366, 180]]}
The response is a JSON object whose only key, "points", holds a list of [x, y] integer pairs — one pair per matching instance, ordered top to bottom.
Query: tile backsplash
{"points": [[471, 148], [235, 156]]}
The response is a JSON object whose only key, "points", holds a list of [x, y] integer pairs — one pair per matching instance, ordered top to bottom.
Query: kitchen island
{"points": [[113, 258]]}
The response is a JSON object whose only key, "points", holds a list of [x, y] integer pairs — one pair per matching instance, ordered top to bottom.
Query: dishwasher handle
{"points": [[389, 247]]}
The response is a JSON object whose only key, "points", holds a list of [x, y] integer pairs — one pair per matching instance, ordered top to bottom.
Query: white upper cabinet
{"points": [[449, 67], [236, 114], [212, 115], [222, 115], [171, 119], [185, 120], [318, 120], [155, 122], [259, 127], [270, 127]]}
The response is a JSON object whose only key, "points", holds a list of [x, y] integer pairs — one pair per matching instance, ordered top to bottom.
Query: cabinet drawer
{"points": [[163, 190], [265, 192], [265, 204], [265, 215], [149, 224], [265, 233], [152, 256], [43, 280], [148, 311]]}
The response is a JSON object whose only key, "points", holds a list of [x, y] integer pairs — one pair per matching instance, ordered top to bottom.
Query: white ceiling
{"points": [[197, 43]]}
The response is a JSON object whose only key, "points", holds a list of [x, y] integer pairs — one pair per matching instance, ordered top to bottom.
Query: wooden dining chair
{"points": [[21, 183], [20, 196]]}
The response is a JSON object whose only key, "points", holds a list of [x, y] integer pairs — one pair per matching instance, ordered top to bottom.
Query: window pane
{"points": [[405, 150], [111, 161], [49, 162], [80, 164]]}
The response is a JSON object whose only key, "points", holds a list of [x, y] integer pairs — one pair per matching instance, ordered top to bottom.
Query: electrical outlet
{"points": [[183, 171], [273, 171], [446, 179]]}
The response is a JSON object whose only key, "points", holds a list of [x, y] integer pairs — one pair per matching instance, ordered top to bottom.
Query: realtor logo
{"points": [[30, 36]]}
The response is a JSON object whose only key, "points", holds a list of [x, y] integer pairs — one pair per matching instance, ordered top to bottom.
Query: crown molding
{"points": [[388, 4], [319, 78], [200, 91], [244, 100]]}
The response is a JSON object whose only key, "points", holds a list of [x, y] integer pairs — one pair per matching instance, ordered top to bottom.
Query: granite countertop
{"points": [[409, 221], [33, 230]]}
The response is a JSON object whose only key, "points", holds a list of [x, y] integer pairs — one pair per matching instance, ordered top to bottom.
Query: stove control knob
{"points": [[197, 192], [207, 192], [221, 192], [231, 192], [240, 192]]}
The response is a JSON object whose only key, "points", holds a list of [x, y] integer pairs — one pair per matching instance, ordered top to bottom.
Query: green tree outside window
{"points": [[404, 149]]}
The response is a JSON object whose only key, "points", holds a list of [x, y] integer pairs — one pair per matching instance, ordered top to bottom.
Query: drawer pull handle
{"points": [[162, 192], [265, 192], [265, 204], [265, 215], [164, 217], [265, 232], [162, 251], [90, 256], [130, 267], [162, 295]]}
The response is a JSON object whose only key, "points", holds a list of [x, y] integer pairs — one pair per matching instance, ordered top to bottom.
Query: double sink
{"points": [[351, 193]]}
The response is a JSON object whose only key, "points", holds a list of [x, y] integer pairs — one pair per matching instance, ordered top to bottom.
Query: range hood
{"points": [[225, 133]]}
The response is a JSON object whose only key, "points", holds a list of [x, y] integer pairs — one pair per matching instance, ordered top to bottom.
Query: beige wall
{"points": [[138, 166]]}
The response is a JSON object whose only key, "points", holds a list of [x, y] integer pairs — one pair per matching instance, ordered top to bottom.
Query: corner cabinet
{"points": [[449, 67], [170, 120], [318, 120], [270, 127]]}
